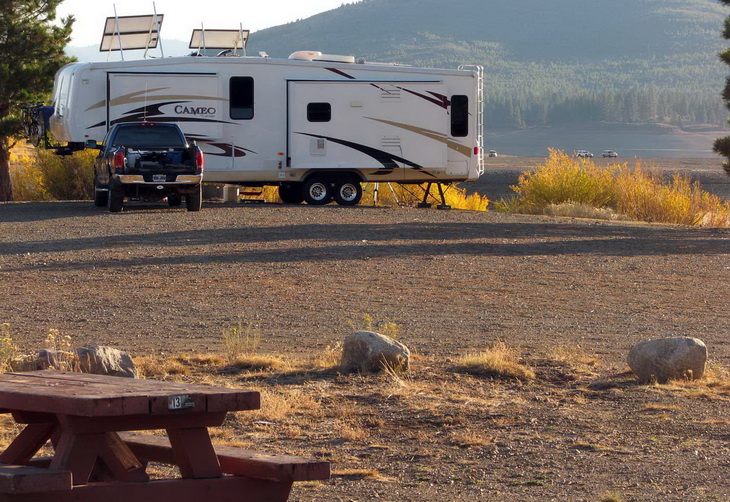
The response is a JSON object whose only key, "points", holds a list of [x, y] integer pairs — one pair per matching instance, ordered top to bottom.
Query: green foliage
{"points": [[31, 51], [722, 145]]}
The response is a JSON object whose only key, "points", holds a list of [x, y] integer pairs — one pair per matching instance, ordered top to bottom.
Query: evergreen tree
{"points": [[31, 51], [722, 145]]}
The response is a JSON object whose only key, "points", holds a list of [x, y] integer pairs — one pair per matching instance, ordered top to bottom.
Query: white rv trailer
{"points": [[310, 119]]}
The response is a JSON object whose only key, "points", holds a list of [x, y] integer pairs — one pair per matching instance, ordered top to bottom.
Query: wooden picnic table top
{"points": [[88, 395]]}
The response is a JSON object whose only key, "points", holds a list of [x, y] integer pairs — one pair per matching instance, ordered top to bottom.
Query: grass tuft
{"points": [[498, 361]]}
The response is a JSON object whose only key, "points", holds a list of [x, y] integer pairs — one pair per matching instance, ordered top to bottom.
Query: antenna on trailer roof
{"points": [[119, 35]]}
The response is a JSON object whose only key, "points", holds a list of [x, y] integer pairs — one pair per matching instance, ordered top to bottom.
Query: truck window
{"points": [[241, 98], [319, 112], [459, 116], [148, 136]]}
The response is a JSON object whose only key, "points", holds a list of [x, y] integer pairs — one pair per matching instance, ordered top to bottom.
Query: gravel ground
{"points": [[157, 281]]}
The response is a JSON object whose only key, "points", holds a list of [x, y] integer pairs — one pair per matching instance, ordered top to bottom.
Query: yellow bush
{"points": [[47, 176], [636, 194]]}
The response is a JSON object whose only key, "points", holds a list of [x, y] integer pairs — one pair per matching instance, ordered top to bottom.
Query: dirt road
{"points": [[154, 279], [157, 281]]}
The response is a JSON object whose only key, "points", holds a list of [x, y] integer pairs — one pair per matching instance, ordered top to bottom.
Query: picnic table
{"points": [[88, 419]]}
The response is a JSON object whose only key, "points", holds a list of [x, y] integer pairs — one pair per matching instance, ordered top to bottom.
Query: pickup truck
{"points": [[147, 161]]}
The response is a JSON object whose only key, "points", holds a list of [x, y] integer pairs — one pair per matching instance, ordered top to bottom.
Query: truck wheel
{"points": [[317, 192], [291, 193], [348, 193], [101, 195], [116, 198], [174, 200], [194, 200]]}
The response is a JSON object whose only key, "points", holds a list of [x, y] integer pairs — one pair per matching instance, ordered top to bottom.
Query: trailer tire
{"points": [[317, 191], [348, 192], [291, 193], [101, 195], [116, 198], [194, 200]]}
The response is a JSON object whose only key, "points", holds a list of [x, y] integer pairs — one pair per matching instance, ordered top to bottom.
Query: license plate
{"points": [[158, 178], [179, 402]]}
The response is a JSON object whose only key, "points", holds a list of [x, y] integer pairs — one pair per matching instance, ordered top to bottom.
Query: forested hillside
{"points": [[547, 62]]}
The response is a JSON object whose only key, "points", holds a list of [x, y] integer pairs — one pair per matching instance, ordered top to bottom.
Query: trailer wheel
{"points": [[317, 191], [291, 193], [348, 193], [101, 195], [116, 198], [194, 200]]}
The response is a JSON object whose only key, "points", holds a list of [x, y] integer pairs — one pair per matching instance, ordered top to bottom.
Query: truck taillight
{"points": [[199, 159], [119, 161]]}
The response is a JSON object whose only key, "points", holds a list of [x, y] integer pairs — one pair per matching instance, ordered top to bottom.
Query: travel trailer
{"points": [[315, 125]]}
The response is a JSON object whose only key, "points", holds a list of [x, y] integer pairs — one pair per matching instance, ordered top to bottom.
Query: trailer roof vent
{"points": [[318, 56]]}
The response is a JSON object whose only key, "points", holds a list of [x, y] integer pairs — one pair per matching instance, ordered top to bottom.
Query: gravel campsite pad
{"points": [[158, 281]]}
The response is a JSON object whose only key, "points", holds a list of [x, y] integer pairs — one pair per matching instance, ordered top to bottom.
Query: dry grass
{"points": [[41, 175], [567, 186], [498, 361]]}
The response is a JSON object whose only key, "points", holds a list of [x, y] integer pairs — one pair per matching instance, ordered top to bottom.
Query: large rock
{"points": [[366, 351], [667, 359], [99, 360]]}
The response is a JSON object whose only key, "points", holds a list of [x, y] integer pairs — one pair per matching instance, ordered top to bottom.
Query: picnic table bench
{"points": [[88, 419]]}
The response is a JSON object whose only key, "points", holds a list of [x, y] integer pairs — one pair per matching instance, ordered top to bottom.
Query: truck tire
{"points": [[317, 191], [348, 192], [291, 193], [101, 195], [116, 198], [194, 200]]}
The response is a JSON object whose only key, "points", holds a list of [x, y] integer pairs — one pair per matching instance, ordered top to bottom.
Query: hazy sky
{"points": [[182, 16]]}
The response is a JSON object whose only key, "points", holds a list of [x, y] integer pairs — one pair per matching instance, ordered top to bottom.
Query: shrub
{"points": [[47, 176], [568, 186]]}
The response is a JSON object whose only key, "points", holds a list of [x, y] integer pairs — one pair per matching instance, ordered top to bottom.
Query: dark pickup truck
{"points": [[147, 161]]}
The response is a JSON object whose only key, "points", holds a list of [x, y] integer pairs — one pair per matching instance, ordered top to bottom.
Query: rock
{"points": [[366, 351], [667, 359], [100, 360]]}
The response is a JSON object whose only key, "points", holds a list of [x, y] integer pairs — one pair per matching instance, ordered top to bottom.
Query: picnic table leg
{"points": [[27, 443], [77, 453], [194, 454], [120, 460]]}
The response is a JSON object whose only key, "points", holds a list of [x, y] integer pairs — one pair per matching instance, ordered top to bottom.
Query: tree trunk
{"points": [[6, 190]]}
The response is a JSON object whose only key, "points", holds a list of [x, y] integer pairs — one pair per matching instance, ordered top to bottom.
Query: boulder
{"points": [[366, 351], [667, 359], [100, 360]]}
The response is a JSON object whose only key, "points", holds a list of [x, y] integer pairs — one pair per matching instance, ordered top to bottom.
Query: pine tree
{"points": [[31, 51], [722, 145]]}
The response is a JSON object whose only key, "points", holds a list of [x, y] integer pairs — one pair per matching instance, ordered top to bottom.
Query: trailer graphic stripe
{"points": [[142, 96], [462, 149], [387, 159]]}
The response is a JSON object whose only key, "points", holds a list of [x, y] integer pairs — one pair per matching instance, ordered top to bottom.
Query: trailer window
{"points": [[241, 98], [319, 112], [459, 116]]}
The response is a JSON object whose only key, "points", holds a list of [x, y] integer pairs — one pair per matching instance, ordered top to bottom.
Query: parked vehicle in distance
{"points": [[492, 153], [585, 154], [610, 154], [148, 161]]}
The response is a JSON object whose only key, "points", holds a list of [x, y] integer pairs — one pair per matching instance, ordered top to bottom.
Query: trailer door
{"points": [[190, 99], [395, 130]]}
